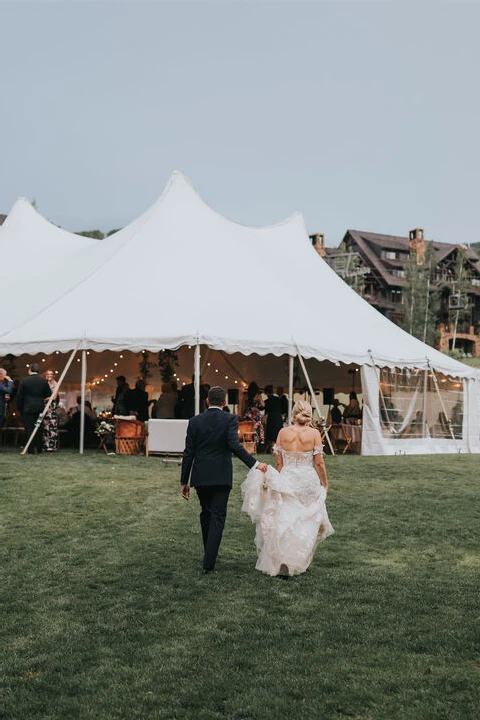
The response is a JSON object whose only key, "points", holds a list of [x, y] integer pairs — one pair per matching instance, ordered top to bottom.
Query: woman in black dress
{"points": [[50, 421]]}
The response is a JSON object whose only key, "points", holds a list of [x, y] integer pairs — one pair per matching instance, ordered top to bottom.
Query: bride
{"points": [[288, 504]]}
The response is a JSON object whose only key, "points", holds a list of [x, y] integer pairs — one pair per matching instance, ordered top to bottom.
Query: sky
{"points": [[362, 115]]}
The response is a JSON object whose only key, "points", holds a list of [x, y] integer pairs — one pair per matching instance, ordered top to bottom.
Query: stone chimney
{"points": [[318, 242], [416, 243]]}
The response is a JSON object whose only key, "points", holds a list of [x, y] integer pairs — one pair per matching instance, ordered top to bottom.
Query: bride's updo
{"points": [[302, 413]]}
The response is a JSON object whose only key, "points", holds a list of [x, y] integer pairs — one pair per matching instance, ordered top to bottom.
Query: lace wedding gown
{"points": [[288, 509]]}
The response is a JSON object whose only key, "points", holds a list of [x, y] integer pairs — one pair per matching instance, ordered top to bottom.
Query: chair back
{"points": [[129, 436]]}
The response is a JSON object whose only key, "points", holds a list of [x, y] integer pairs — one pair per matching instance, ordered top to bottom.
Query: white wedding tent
{"points": [[183, 275]]}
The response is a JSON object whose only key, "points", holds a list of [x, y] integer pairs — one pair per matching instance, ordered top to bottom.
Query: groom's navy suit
{"points": [[212, 437]]}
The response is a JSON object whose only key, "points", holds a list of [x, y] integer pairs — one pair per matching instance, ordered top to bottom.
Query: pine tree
{"points": [[420, 300], [460, 302]]}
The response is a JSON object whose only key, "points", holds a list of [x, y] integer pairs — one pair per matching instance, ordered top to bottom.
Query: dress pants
{"points": [[29, 420], [213, 500]]}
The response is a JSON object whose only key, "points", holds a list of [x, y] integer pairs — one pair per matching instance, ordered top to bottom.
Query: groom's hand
{"points": [[262, 467], [185, 492]]}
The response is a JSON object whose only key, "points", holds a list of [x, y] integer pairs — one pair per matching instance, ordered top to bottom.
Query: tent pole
{"points": [[291, 360], [197, 378], [314, 397], [382, 397], [49, 402], [82, 402], [444, 409], [424, 410]]}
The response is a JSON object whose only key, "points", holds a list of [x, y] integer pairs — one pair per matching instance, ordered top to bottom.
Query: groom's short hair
{"points": [[216, 396]]}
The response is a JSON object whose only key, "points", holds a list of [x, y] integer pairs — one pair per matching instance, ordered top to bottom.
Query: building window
{"points": [[389, 254], [396, 296]]}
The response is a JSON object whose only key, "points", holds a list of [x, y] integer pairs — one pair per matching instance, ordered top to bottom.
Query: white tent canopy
{"points": [[181, 274], [163, 280]]}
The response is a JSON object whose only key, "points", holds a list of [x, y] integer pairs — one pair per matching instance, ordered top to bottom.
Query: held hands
{"points": [[262, 467], [185, 492]]}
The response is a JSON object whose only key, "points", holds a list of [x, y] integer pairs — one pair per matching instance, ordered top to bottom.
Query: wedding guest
{"points": [[121, 380], [6, 390], [31, 395], [118, 399], [186, 400], [136, 401], [284, 402], [165, 405], [253, 407], [352, 410], [89, 411], [335, 413], [273, 414], [62, 417], [75, 418], [50, 420]]}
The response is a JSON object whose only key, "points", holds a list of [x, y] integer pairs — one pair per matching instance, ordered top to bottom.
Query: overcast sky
{"points": [[361, 115]]}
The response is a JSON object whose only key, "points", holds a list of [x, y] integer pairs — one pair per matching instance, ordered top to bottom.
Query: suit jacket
{"points": [[6, 388], [31, 394], [137, 401], [186, 401], [212, 437]]}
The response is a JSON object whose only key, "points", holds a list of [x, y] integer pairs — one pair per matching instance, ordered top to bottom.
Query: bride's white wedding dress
{"points": [[288, 509]]}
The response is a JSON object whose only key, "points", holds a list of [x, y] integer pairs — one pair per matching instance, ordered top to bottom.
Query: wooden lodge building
{"points": [[374, 265]]}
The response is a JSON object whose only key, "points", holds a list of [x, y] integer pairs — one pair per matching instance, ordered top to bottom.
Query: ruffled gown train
{"points": [[289, 511]]}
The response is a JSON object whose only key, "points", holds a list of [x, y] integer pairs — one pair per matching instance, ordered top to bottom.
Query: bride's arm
{"points": [[278, 452], [319, 462], [321, 470]]}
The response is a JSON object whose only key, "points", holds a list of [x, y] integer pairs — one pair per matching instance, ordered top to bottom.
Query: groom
{"points": [[212, 437]]}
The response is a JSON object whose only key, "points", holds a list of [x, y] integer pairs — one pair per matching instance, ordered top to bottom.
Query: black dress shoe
{"points": [[207, 571], [283, 572]]}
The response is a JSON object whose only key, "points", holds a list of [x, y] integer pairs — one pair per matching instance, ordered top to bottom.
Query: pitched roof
{"points": [[368, 242]]}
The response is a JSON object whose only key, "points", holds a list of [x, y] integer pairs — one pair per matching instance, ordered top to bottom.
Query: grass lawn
{"points": [[105, 614]]}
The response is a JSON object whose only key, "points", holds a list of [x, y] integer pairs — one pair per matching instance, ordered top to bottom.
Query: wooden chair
{"points": [[247, 435], [129, 437], [340, 439]]}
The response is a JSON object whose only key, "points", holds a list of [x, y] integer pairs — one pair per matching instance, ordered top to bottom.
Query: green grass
{"points": [[106, 616]]}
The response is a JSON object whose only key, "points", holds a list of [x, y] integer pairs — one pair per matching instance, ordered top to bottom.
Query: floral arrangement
{"points": [[105, 428]]}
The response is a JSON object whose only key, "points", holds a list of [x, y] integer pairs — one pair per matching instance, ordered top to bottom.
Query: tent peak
{"points": [[181, 183]]}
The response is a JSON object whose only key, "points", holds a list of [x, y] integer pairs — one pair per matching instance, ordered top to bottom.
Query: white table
{"points": [[166, 436]]}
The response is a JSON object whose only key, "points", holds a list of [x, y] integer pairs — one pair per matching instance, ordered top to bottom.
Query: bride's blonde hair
{"points": [[302, 413]]}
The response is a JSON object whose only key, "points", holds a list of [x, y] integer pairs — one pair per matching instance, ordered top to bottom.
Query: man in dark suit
{"points": [[31, 395], [186, 401], [212, 437]]}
